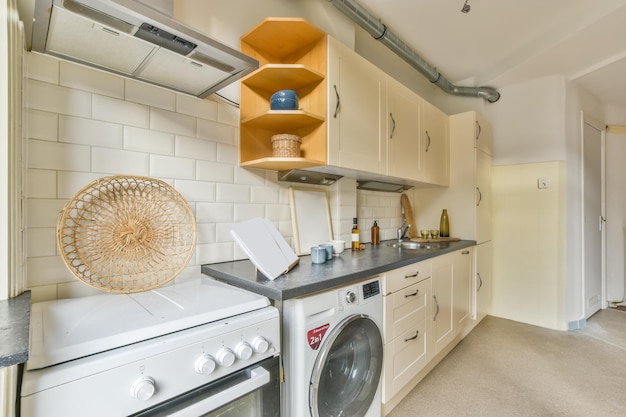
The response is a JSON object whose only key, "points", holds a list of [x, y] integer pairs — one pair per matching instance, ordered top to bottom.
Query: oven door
{"points": [[250, 392]]}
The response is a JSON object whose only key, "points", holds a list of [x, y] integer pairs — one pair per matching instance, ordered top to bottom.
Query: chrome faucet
{"points": [[401, 232]]}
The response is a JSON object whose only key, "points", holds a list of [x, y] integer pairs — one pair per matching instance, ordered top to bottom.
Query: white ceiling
{"points": [[503, 42]]}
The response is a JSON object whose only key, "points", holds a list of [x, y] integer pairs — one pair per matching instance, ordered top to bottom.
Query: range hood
{"points": [[132, 39]]}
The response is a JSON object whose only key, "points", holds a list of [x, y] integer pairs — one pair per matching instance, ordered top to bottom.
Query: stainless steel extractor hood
{"points": [[130, 38]]}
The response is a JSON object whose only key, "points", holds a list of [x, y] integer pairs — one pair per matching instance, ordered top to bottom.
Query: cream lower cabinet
{"points": [[451, 297], [406, 332]]}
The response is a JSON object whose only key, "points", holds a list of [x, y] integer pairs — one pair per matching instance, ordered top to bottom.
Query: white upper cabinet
{"points": [[356, 101], [403, 131], [482, 133], [435, 146]]}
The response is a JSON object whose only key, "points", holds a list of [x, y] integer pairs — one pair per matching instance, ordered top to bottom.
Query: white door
{"points": [[593, 218]]}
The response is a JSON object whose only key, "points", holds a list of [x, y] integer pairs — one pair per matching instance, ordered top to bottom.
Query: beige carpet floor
{"points": [[507, 369]]}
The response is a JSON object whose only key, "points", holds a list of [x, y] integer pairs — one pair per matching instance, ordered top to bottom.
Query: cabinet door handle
{"points": [[338, 101], [393, 125], [478, 132], [428, 145], [480, 196], [465, 252], [412, 275], [480, 282], [413, 294], [437, 308], [417, 332]]}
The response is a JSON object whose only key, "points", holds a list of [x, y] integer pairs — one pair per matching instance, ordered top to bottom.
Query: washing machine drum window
{"points": [[347, 370]]}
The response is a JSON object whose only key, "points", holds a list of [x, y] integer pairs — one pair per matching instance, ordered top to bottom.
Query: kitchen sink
{"points": [[406, 244]]}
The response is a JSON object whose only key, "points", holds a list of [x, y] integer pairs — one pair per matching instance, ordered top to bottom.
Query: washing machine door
{"points": [[347, 370]]}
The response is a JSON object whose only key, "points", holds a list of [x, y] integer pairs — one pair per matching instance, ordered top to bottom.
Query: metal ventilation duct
{"points": [[381, 32]]}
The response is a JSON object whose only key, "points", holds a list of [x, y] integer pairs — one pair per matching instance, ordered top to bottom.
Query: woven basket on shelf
{"points": [[286, 146], [126, 234]]}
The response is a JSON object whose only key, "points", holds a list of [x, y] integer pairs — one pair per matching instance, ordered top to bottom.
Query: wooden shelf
{"points": [[281, 37], [274, 77], [287, 120], [280, 164]]}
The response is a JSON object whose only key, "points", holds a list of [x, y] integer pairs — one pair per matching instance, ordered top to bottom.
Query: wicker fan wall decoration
{"points": [[126, 234]]}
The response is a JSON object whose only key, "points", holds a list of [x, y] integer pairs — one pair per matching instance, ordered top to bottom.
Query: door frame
{"points": [[601, 128]]}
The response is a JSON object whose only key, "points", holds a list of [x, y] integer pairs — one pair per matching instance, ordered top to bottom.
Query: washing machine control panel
{"points": [[359, 294]]}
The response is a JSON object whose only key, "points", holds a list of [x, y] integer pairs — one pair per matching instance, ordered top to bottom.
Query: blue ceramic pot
{"points": [[284, 100]]}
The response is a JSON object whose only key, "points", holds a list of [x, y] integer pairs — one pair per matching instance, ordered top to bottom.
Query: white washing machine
{"points": [[333, 352]]}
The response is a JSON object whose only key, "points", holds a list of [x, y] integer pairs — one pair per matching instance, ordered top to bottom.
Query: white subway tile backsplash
{"points": [[42, 67], [89, 79], [150, 95], [62, 100], [192, 106], [119, 111], [227, 114], [167, 121], [43, 125], [89, 132], [218, 132], [145, 140], [187, 147], [228, 154], [58, 156], [116, 161], [172, 167], [214, 171], [250, 176], [41, 183], [69, 183], [196, 190], [235, 193], [264, 195], [248, 211], [42, 212], [215, 212], [278, 212], [222, 232], [205, 233], [41, 241], [214, 252], [47, 270], [77, 289], [43, 293]]}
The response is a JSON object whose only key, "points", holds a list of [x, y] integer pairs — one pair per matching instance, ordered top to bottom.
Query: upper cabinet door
{"points": [[356, 91], [403, 131], [482, 134], [435, 145], [482, 177]]}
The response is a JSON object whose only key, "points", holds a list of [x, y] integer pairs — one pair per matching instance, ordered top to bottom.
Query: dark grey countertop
{"points": [[307, 278], [14, 329]]}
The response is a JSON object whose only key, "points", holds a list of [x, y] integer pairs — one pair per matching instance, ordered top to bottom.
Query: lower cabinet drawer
{"points": [[399, 278], [404, 308], [404, 358]]}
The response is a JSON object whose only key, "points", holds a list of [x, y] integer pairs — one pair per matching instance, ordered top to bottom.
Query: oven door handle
{"points": [[259, 376]]}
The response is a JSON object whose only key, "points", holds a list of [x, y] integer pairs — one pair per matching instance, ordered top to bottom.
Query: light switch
{"points": [[543, 183]]}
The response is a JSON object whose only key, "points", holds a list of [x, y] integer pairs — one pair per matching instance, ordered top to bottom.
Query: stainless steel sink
{"points": [[406, 244]]}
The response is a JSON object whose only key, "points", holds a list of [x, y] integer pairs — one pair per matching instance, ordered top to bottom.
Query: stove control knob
{"points": [[350, 297], [260, 344], [243, 351], [225, 357], [205, 365], [143, 388]]}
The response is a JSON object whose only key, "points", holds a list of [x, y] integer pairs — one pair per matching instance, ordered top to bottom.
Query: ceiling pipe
{"points": [[381, 32]]}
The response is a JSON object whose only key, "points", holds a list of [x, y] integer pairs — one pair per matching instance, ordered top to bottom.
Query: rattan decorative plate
{"points": [[126, 234]]}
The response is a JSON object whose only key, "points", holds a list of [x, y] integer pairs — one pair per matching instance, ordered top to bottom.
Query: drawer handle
{"points": [[465, 252], [412, 275], [412, 294], [437, 309], [417, 332]]}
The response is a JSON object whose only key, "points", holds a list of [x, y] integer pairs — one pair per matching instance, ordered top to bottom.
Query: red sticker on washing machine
{"points": [[315, 336]]}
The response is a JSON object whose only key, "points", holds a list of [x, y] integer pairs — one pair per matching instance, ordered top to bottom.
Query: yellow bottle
{"points": [[375, 230], [356, 244]]}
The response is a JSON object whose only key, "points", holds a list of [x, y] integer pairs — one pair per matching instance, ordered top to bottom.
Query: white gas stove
{"points": [[175, 350]]}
